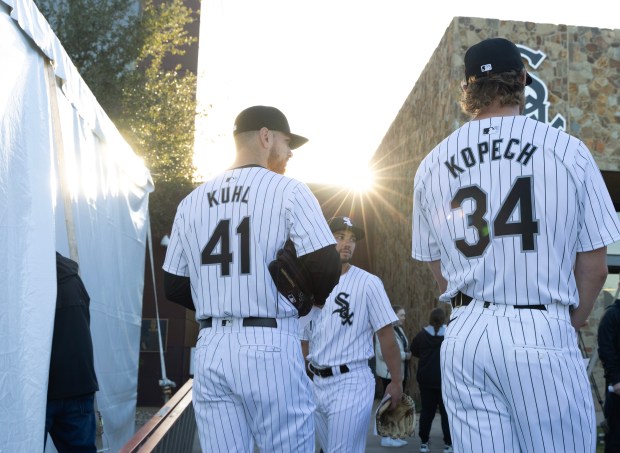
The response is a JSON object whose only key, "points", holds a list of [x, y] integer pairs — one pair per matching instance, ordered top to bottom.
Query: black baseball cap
{"points": [[494, 55], [259, 116], [345, 223]]}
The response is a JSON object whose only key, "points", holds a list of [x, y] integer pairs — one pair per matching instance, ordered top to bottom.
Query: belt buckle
{"points": [[226, 321], [321, 372]]}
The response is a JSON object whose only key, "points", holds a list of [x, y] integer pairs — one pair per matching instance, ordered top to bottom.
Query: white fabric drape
{"points": [[108, 189]]}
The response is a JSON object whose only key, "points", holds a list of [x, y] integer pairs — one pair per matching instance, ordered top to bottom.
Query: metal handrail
{"points": [[171, 429]]}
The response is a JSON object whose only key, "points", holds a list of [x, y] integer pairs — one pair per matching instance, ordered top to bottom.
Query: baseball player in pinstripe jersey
{"points": [[514, 218], [338, 342], [250, 385]]}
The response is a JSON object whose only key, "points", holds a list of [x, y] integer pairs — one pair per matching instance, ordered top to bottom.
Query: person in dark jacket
{"points": [[426, 346], [609, 353], [70, 414]]}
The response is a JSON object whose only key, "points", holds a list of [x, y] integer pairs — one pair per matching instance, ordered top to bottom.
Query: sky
{"points": [[339, 70]]}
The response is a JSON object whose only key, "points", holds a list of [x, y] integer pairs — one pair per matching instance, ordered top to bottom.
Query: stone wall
{"points": [[577, 84]]}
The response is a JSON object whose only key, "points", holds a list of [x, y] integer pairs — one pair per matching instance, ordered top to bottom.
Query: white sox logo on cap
{"points": [[345, 223]]}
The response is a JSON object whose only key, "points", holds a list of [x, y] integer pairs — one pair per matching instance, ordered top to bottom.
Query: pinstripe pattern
{"points": [[506, 203], [277, 208], [582, 219], [342, 333], [250, 384], [253, 388], [527, 390], [344, 408]]}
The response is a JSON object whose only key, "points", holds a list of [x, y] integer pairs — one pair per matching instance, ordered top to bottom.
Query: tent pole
{"points": [[60, 157], [166, 384]]}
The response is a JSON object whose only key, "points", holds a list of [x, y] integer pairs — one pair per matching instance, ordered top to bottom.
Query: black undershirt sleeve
{"points": [[323, 265], [324, 268], [178, 290]]}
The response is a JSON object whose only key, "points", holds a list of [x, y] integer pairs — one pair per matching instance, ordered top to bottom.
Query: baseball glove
{"points": [[292, 279], [398, 423]]}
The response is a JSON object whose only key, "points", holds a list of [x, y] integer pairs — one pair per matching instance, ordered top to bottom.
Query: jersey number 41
{"points": [[221, 235]]}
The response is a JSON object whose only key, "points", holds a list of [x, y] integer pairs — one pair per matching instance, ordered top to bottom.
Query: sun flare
{"points": [[214, 156]]}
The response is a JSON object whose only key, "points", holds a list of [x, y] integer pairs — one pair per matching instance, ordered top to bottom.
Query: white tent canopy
{"points": [[68, 182]]}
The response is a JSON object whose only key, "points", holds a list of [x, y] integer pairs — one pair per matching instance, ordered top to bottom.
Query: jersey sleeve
{"points": [[600, 225], [309, 229], [424, 246], [176, 261], [380, 309], [307, 323]]}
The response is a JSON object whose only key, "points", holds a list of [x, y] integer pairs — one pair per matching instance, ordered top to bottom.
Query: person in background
{"points": [[426, 346], [609, 353], [381, 368], [70, 414]]}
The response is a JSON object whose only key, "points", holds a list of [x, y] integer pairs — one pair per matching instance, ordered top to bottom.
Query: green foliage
{"points": [[164, 32], [103, 40], [122, 48], [159, 105], [162, 123], [162, 127]]}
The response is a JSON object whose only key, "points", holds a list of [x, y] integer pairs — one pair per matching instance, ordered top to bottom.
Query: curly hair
{"points": [[480, 92]]}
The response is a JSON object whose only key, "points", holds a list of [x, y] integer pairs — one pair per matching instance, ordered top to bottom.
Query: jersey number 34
{"points": [[519, 198]]}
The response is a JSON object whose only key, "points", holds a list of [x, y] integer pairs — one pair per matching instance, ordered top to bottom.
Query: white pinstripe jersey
{"points": [[506, 203], [228, 230], [342, 331]]}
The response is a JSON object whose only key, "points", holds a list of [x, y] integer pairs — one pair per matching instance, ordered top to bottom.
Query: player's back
{"points": [[514, 196], [231, 227]]}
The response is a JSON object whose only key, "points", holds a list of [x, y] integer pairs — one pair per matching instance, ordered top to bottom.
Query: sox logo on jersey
{"points": [[345, 314]]}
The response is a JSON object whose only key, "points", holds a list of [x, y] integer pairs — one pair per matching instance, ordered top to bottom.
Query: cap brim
{"points": [[297, 141], [358, 232]]}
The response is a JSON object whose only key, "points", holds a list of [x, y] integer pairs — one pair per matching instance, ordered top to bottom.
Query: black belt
{"points": [[462, 300], [247, 322], [327, 372]]}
